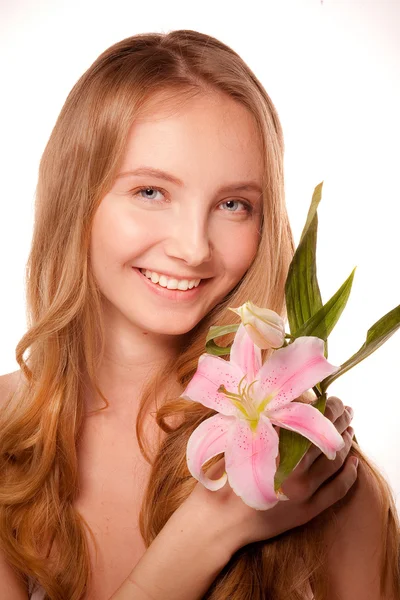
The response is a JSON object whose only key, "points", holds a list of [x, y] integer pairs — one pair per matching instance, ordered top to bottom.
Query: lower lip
{"points": [[177, 295]]}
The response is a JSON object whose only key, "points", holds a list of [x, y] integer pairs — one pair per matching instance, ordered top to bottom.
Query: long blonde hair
{"points": [[41, 422]]}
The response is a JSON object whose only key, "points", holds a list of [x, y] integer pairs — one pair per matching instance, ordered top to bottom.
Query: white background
{"points": [[332, 70]]}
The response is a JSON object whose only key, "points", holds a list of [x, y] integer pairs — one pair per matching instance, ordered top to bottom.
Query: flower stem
{"points": [[317, 391]]}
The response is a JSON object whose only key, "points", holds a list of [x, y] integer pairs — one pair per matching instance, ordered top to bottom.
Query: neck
{"points": [[131, 357]]}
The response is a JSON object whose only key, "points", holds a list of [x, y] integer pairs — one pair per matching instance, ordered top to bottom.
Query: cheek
{"points": [[116, 238], [237, 252]]}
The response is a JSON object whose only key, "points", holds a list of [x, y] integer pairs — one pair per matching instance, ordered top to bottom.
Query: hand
{"points": [[314, 485]]}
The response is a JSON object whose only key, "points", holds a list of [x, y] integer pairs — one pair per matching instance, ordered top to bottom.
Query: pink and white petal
{"points": [[245, 354], [213, 371], [291, 371], [310, 423], [206, 441], [250, 462]]}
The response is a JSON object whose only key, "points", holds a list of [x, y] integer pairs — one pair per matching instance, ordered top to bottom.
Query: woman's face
{"points": [[183, 224]]}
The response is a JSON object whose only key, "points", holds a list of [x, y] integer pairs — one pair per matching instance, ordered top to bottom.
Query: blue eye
{"points": [[146, 189], [248, 208]]}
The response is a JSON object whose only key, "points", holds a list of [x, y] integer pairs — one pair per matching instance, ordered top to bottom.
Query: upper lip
{"points": [[170, 275]]}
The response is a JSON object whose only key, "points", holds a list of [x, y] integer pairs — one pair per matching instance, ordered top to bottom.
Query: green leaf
{"points": [[303, 297], [307, 316], [322, 323], [217, 331], [377, 335], [292, 447]]}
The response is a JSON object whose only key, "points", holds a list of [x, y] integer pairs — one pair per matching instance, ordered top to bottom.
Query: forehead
{"points": [[209, 131]]}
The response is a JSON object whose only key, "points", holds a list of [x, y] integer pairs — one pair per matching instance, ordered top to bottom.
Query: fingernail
{"points": [[350, 411], [351, 431], [355, 461]]}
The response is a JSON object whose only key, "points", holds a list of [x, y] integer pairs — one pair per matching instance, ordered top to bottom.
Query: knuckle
{"points": [[340, 405], [334, 408], [347, 418], [342, 423], [346, 438]]}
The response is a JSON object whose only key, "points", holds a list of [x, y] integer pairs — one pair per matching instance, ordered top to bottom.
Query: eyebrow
{"points": [[241, 186]]}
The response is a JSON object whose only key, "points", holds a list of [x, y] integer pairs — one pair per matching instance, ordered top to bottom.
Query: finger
{"points": [[334, 408], [341, 423], [308, 459], [323, 468], [302, 485], [333, 491]]}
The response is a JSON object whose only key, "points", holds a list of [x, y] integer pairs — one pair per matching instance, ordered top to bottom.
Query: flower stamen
{"points": [[243, 401]]}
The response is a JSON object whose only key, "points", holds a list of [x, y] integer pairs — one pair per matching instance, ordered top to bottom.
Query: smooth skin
{"points": [[196, 230]]}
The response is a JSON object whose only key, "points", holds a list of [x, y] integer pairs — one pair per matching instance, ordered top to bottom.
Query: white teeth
{"points": [[153, 276], [170, 283]]}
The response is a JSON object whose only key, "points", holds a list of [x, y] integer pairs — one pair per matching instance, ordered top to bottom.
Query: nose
{"points": [[190, 240]]}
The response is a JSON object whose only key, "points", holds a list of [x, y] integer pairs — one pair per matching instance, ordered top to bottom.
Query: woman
{"points": [[164, 171]]}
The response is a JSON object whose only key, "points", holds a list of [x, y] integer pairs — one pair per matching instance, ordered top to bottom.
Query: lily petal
{"points": [[268, 339], [245, 354], [213, 371], [291, 371], [311, 423], [206, 441], [250, 462]]}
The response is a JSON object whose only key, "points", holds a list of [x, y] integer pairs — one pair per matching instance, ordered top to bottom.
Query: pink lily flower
{"points": [[250, 398]]}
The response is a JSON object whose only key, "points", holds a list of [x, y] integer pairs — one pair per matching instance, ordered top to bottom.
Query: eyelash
{"points": [[247, 206]]}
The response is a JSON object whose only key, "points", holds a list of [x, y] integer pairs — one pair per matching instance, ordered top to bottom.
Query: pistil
{"points": [[244, 402]]}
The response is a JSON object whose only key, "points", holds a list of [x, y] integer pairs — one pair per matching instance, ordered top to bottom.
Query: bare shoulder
{"points": [[9, 384], [355, 543]]}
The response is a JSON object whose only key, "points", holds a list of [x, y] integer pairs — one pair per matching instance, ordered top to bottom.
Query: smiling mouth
{"points": [[182, 284], [173, 293]]}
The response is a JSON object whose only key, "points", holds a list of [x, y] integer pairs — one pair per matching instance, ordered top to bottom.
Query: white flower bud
{"points": [[265, 327]]}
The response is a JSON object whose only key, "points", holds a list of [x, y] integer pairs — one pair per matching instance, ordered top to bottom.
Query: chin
{"points": [[167, 324]]}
